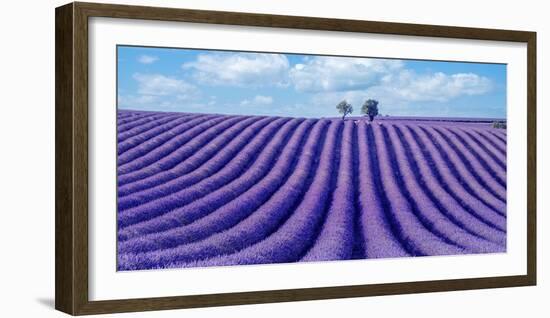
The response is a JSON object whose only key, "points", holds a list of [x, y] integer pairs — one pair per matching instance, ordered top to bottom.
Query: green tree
{"points": [[344, 108], [370, 108]]}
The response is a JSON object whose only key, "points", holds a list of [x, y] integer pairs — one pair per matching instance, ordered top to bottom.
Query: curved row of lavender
{"points": [[213, 190]]}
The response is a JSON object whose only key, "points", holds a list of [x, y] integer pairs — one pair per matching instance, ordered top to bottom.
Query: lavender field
{"points": [[213, 190]]}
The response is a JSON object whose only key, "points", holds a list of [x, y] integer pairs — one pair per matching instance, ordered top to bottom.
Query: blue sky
{"points": [[230, 82]]}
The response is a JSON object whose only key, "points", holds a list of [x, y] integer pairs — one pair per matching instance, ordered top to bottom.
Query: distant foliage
{"points": [[344, 108], [370, 108], [499, 124]]}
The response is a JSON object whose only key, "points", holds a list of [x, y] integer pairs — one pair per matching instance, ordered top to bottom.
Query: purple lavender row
{"points": [[131, 112], [127, 113], [121, 114], [133, 116], [129, 124], [134, 130], [500, 132], [139, 134], [500, 136], [155, 141], [492, 142], [163, 145], [485, 150], [165, 162], [203, 162], [251, 162], [492, 166], [477, 168], [465, 175], [224, 179], [230, 182], [158, 184], [474, 202], [436, 203], [190, 212], [232, 220], [249, 220], [438, 222], [415, 232], [294, 236], [336, 239], [379, 239], [194, 251], [249, 256]]}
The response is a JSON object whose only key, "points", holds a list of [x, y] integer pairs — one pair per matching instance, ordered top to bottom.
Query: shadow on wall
{"points": [[48, 302]]}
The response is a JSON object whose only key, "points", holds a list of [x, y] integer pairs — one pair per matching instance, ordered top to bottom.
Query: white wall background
{"points": [[27, 158]]}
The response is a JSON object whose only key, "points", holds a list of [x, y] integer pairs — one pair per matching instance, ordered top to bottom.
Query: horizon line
{"points": [[418, 117]]}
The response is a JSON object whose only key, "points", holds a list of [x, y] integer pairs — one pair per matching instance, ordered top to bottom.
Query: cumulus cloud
{"points": [[147, 59], [240, 69], [326, 74], [327, 77], [332, 79], [323, 82], [160, 85], [406, 86], [439, 87], [404, 89], [159, 91], [136, 100], [258, 100], [266, 100]]}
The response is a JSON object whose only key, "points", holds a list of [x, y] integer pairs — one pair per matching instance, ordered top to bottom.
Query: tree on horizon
{"points": [[344, 108], [370, 108]]}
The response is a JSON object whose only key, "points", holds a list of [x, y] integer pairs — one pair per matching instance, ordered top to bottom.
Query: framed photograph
{"points": [[209, 158]]}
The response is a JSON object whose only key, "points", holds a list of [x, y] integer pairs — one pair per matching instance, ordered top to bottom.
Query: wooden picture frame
{"points": [[71, 124]]}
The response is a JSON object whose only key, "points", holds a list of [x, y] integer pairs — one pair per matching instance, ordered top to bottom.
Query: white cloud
{"points": [[147, 59], [240, 69], [326, 74], [333, 79], [327, 80], [160, 85], [440, 87], [159, 92], [397, 92], [129, 100], [258, 100], [264, 100]]}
